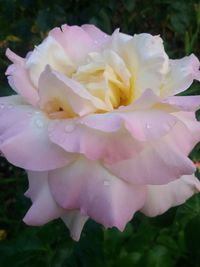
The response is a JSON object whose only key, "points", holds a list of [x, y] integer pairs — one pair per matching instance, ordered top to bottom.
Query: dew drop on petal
{"points": [[2, 106], [148, 126], [69, 128]]}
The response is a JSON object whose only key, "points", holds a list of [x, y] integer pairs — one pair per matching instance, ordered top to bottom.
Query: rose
{"points": [[98, 128]]}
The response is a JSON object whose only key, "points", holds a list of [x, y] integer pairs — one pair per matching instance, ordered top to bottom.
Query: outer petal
{"points": [[96, 34], [76, 42], [181, 74], [18, 78], [185, 103], [170, 104], [143, 124], [193, 126], [108, 136], [24, 137], [75, 137], [161, 161], [87, 186], [162, 197], [44, 207], [75, 221]]}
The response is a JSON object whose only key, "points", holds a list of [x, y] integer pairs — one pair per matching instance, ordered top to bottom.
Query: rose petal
{"points": [[95, 33], [76, 42], [49, 52], [14, 58], [147, 61], [181, 74], [18, 78], [72, 95], [147, 100], [185, 103], [149, 124], [143, 125], [192, 130], [103, 136], [24, 139], [94, 144], [161, 161], [87, 186], [162, 197], [44, 207], [75, 221]]}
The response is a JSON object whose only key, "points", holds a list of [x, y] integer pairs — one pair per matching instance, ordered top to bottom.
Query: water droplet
{"points": [[105, 36], [95, 41], [2, 106], [37, 112], [39, 123], [148, 126], [69, 128], [106, 183]]}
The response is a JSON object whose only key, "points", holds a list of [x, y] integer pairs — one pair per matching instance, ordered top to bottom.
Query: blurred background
{"points": [[172, 239]]}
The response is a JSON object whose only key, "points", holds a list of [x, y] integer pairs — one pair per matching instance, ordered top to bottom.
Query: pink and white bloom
{"points": [[97, 127]]}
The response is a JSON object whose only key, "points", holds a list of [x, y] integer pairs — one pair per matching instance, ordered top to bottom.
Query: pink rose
{"points": [[97, 127]]}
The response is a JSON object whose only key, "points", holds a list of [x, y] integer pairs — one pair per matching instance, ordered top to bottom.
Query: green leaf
{"points": [[192, 235]]}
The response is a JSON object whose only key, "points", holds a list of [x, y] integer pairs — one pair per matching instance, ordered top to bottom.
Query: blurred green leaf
{"points": [[192, 235], [159, 256]]}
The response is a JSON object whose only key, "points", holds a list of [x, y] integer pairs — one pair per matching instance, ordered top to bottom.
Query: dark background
{"points": [[172, 239]]}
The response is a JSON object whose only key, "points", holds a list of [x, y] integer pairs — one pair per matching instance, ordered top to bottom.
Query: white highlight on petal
{"points": [[49, 52], [180, 75], [69, 128], [162, 197], [75, 221]]}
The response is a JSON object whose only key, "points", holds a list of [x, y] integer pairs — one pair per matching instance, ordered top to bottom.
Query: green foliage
{"points": [[166, 241]]}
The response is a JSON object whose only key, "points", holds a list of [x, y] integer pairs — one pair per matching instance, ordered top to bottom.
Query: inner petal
{"points": [[50, 53], [106, 76], [58, 109]]}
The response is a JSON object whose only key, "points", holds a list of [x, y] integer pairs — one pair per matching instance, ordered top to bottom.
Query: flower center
{"points": [[106, 76], [58, 109]]}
